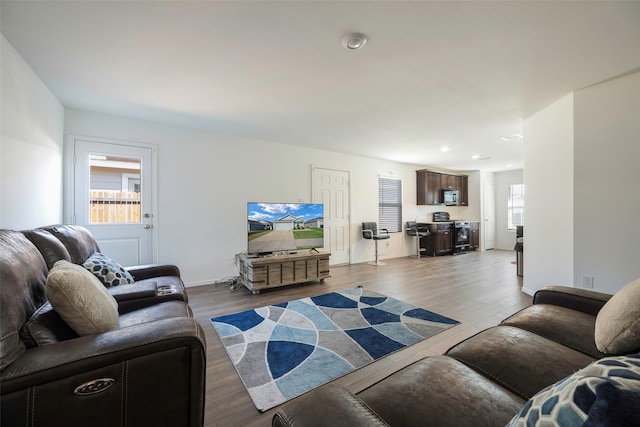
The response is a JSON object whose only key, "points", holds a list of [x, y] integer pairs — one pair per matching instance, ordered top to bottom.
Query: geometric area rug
{"points": [[282, 351]]}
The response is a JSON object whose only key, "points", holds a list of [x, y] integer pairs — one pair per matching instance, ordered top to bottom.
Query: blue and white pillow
{"points": [[107, 270], [605, 393]]}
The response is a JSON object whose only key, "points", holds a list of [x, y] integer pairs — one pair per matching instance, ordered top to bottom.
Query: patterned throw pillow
{"points": [[107, 270], [605, 393]]}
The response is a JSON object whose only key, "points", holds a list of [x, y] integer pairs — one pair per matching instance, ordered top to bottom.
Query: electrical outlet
{"points": [[587, 281]]}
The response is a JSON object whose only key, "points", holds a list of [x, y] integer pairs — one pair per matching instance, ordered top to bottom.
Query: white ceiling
{"points": [[434, 73]]}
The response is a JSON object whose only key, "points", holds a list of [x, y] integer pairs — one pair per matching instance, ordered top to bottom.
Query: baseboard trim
{"points": [[528, 291]]}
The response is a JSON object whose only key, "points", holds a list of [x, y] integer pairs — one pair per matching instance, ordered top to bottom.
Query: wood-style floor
{"points": [[478, 289]]}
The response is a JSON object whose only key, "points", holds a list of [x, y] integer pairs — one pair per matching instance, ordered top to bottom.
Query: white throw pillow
{"points": [[81, 299], [618, 322]]}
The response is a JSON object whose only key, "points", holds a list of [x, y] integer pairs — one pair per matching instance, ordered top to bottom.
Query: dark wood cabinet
{"points": [[450, 182], [430, 184], [464, 190], [474, 235], [440, 241], [444, 242]]}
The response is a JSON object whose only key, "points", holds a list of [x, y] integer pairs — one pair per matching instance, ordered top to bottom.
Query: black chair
{"points": [[370, 231], [417, 231]]}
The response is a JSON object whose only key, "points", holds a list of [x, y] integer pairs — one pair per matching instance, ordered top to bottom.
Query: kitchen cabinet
{"points": [[450, 182], [430, 184], [464, 190], [474, 235], [440, 241], [444, 242]]}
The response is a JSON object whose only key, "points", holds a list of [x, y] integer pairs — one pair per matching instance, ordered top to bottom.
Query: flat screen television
{"points": [[284, 227]]}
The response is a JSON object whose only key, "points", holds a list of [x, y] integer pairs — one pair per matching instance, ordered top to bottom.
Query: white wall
{"points": [[31, 130], [581, 176], [548, 178], [206, 180], [607, 183], [505, 238]]}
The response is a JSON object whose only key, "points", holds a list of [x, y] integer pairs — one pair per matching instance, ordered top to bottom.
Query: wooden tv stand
{"points": [[281, 270]]}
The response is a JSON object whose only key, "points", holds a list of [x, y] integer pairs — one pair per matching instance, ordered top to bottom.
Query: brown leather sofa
{"points": [[150, 370], [487, 379]]}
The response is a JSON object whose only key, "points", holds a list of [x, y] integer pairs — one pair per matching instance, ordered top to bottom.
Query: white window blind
{"points": [[390, 204], [515, 206]]}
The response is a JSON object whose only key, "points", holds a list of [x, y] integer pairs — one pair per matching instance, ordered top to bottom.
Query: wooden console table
{"points": [[281, 270]]}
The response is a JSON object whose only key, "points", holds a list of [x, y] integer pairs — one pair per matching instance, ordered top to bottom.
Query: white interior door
{"points": [[331, 188], [113, 197], [489, 215]]}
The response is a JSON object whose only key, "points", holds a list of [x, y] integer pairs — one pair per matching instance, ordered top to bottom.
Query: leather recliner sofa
{"points": [[572, 350], [150, 370]]}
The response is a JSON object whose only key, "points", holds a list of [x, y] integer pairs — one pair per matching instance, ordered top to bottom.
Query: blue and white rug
{"points": [[282, 351]]}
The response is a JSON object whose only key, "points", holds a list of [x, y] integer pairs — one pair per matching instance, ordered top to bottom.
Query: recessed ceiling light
{"points": [[354, 41], [512, 137], [444, 149], [475, 156], [509, 165]]}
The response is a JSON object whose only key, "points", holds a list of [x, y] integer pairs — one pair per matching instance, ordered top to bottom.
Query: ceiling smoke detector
{"points": [[354, 41]]}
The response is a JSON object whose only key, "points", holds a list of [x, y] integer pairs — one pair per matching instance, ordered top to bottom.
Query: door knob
{"points": [[147, 215], [148, 226]]}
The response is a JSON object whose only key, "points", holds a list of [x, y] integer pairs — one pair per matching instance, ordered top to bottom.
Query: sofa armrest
{"points": [[149, 271], [133, 291], [586, 301], [68, 358], [330, 405]]}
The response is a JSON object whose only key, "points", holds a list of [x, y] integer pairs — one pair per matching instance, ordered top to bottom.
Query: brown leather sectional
{"points": [[149, 371], [483, 381]]}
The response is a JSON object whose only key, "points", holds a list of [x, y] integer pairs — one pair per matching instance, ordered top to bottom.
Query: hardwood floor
{"points": [[479, 289]]}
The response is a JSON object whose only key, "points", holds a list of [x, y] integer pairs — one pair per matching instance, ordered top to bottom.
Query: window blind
{"points": [[390, 204], [515, 206]]}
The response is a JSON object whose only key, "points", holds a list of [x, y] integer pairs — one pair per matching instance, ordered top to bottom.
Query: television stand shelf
{"points": [[281, 270]]}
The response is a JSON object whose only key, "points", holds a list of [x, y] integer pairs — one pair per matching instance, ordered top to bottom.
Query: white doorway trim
{"points": [[69, 184]]}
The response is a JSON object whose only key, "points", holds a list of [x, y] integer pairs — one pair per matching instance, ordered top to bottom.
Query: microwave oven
{"points": [[450, 197]]}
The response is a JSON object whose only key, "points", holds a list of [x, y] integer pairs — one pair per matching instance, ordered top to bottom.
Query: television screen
{"points": [[284, 227]]}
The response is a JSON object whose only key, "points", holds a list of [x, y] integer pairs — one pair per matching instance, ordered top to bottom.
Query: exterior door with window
{"points": [[113, 197]]}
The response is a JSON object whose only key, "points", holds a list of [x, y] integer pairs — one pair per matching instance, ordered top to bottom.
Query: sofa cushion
{"points": [[78, 241], [49, 246], [107, 270], [23, 275], [80, 299], [152, 313], [618, 323], [45, 327], [574, 329], [519, 360], [440, 391], [604, 393], [330, 405]]}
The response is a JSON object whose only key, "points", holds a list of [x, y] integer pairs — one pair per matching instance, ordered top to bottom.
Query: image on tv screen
{"points": [[284, 227]]}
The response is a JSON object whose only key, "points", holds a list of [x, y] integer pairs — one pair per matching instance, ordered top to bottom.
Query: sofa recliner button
{"points": [[94, 386]]}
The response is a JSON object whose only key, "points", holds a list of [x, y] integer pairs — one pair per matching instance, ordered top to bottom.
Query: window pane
{"points": [[114, 189], [390, 204], [515, 206]]}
